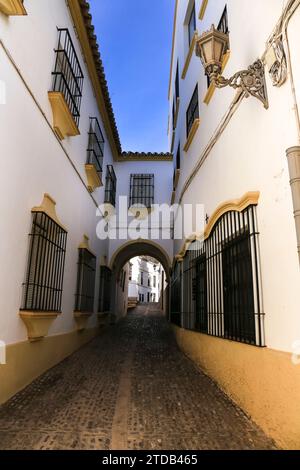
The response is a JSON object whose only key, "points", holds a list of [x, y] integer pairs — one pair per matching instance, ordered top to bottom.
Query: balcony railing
{"points": [[68, 76], [192, 112], [96, 145], [110, 186]]}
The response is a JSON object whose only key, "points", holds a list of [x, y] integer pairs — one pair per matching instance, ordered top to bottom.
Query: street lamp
{"points": [[211, 48]]}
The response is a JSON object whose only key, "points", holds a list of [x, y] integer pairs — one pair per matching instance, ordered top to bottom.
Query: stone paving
{"points": [[131, 388]]}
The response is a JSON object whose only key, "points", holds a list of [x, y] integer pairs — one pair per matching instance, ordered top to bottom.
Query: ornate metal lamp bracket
{"points": [[251, 81]]}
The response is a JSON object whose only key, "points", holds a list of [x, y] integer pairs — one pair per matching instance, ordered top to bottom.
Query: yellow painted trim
{"points": [[12, 7], [203, 9], [76, 14], [173, 47], [189, 56], [211, 89], [176, 112], [63, 121], [192, 134], [94, 180], [238, 205], [48, 206], [85, 245], [82, 320], [38, 323], [25, 361], [263, 382]]}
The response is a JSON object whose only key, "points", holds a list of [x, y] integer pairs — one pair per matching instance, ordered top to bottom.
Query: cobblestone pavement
{"points": [[131, 388]]}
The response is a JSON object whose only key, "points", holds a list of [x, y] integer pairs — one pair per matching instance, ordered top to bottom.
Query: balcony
{"points": [[65, 97], [95, 152]]}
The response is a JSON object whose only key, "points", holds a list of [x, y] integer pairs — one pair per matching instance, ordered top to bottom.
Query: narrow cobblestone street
{"points": [[131, 388]]}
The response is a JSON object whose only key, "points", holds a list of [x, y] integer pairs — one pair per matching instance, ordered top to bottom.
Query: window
{"points": [[192, 24], [223, 24], [224, 28], [67, 75], [177, 82], [192, 112], [96, 145], [178, 158], [110, 186], [142, 190], [142, 278], [149, 281], [154, 281], [221, 282], [104, 289], [42, 290], [85, 291], [148, 297], [175, 312]]}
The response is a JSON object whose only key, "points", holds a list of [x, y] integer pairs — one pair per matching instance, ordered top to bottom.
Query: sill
{"points": [[12, 8], [203, 9], [189, 56], [211, 89], [176, 112], [63, 121], [191, 136], [177, 175], [93, 177], [81, 320], [38, 323]]}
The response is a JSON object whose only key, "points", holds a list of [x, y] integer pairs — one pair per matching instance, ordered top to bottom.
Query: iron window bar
{"points": [[192, 24], [67, 75], [177, 91], [192, 112], [95, 149], [110, 186], [141, 190], [86, 275], [221, 282], [43, 287], [175, 288], [104, 289]]}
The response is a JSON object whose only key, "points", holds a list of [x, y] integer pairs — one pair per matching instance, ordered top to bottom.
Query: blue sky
{"points": [[135, 38]]}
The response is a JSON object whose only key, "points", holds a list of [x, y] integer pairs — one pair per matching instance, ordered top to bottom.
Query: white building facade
{"points": [[145, 280], [236, 298]]}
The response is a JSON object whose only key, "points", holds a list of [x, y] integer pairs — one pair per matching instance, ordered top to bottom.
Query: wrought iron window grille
{"points": [[67, 75], [192, 112], [95, 149], [110, 186], [141, 190], [86, 275], [221, 284], [43, 287], [104, 289]]}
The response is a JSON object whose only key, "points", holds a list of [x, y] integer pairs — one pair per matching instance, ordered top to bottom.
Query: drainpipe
{"points": [[293, 155]]}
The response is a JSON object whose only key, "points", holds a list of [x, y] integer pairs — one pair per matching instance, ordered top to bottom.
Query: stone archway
{"points": [[130, 250]]}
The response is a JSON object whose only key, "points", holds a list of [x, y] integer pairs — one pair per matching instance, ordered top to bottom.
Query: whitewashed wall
{"points": [[250, 154], [33, 163]]}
